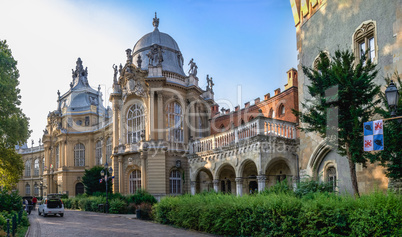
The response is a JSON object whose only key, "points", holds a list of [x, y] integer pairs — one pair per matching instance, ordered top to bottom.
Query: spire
{"points": [[155, 22], [79, 74]]}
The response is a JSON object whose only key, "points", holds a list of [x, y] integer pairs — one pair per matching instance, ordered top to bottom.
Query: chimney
{"points": [[292, 78], [278, 91], [267, 96], [257, 100], [246, 105], [237, 108]]}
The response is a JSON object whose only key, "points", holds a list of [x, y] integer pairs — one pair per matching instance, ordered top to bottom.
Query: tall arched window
{"points": [[281, 110], [271, 113], [175, 122], [135, 123], [108, 149], [98, 152], [79, 155], [57, 157], [43, 165], [36, 167], [28, 168], [331, 176], [135, 181], [175, 182], [27, 189], [36, 190]]}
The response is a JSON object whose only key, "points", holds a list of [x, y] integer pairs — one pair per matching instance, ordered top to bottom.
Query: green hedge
{"points": [[11, 205], [284, 214]]}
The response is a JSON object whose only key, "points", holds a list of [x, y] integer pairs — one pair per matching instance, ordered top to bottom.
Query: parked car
{"points": [[51, 206]]}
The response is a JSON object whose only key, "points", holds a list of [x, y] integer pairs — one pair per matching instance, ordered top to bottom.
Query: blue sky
{"points": [[246, 43]]}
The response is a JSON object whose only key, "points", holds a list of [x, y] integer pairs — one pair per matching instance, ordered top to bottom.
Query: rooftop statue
{"points": [[155, 22], [129, 56], [139, 61], [193, 68], [114, 74], [210, 83]]}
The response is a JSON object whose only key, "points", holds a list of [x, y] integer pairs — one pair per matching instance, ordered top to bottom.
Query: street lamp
{"points": [[392, 96], [106, 179], [41, 189]]}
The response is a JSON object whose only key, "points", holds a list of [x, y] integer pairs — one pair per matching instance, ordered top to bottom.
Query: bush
{"points": [[310, 186], [141, 196], [10, 201], [118, 206], [284, 214]]}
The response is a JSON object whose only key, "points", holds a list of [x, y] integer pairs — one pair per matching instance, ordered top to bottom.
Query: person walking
{"points": [[34, 201]]}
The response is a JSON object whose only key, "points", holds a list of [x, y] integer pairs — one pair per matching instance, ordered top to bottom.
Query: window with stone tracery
{"points": [[364, 41], [174, 122], [135, 123], [98, 152], [79, 155], [36, 167], [28, 168], [331, 176], [135, 181], [175, 182]]}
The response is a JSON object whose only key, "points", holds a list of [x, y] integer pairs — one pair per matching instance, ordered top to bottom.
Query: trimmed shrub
{"points": [[117, 206]]}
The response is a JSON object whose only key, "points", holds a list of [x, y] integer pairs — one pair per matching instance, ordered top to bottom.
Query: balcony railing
{"points": [[258, 126]]}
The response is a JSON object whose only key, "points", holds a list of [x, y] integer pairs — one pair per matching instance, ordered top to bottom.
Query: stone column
{"points": [[160, 118], [144, 156], [120, 160], [261, 182], [216, 185], [239, 186], [192, 187]]}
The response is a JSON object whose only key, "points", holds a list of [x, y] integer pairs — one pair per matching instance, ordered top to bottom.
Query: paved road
{"points": [[77, 223]]}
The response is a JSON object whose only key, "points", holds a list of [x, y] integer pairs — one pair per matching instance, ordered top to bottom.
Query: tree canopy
{"points": [[343, 96], [14, 125], [91, 181]]}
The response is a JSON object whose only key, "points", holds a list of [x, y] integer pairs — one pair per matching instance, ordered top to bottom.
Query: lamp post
{"points": [[392, 96], [106, 179], [41, 189]]}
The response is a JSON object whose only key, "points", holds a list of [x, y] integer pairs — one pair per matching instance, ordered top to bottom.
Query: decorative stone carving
{"points": [[155, 21], [129, 56], [139, 61], [193, 68]]}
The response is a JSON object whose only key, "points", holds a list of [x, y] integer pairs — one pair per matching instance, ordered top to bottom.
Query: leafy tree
{"points": [[343, 97], [13, 122], [391, 156], [91, 181]]}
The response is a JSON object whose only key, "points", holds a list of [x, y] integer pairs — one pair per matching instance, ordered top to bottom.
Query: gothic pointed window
{"points": [[365, 42], [175, 122], [135, 123], [108, 149], [98, 153], [79, 155], [36, 167], [28, 168], [331, 176], [135, 181], [175, 182]]}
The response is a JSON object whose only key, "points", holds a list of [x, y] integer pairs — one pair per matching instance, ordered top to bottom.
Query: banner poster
{"points": [[373, 136]]}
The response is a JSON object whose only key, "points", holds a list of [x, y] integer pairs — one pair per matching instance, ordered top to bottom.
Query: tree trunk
{"points": [[353, 175]]}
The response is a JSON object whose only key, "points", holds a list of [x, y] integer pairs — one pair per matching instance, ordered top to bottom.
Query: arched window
{"points": [[365, 42], [317, 59], [281, 110], [271, 113], [175, 122], [242, 122], [135, 123], [222, 128], [108, 149], [98, 152], [79, 155], [57, 157], [43, 165], [36, 167], [28, 168], [331, 176], [135, 181], [175, 182], [27, 189], [79, 189], [36, 190]]}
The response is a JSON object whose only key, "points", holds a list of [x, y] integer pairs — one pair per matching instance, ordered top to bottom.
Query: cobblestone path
{"points": [[78, 223]]}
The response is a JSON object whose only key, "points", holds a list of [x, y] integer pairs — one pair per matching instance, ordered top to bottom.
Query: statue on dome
{"points": [[155, 22], [154, 54], [129, 56], [160, 56], [139, 61], [193, 68], [115, 73], [210, 83]]}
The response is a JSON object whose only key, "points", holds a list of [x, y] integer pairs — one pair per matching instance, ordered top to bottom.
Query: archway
{"points": [[277, 172], [249, 175], [227, 177], [204, 181], [79, 189]]}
